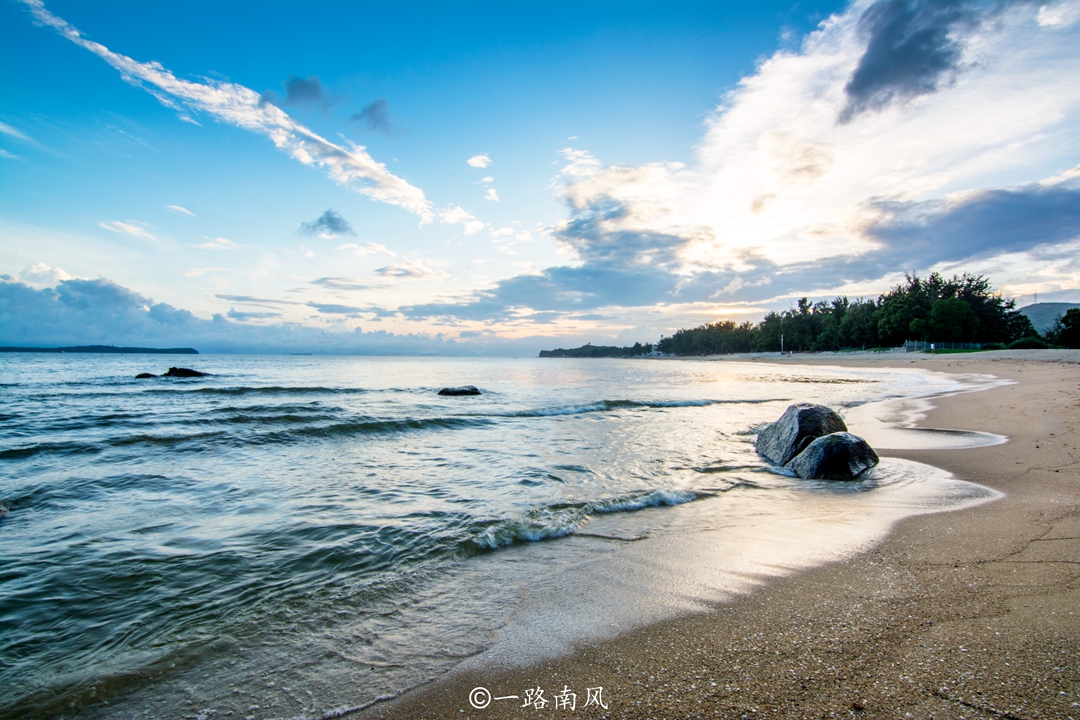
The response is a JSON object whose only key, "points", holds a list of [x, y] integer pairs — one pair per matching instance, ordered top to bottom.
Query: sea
{"points": [[305, 536]]}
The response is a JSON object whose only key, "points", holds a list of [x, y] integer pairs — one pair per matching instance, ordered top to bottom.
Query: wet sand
{"points": [[967, 614]]}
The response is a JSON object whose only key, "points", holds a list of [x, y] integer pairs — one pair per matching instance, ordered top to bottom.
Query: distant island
{"points": [[104, 349], [589, 350]]}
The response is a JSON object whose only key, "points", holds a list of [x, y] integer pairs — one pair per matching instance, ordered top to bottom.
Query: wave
{"points": [[612, 405], [200, 441], [560, 520]]}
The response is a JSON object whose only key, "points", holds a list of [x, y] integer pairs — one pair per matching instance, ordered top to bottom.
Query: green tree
{"points": [[952, 320], [859, 328], [1066, 330]]}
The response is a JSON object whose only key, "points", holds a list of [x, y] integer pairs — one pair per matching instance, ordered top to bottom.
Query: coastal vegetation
{"points": [[961, 309], [599, 351]]}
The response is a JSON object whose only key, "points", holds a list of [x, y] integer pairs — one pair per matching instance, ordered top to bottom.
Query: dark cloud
{"points": [[913, 46], [298, 91], [376, 117], [986, 223], [329, 224], [912, 236], [340, 283], [245, 316]]}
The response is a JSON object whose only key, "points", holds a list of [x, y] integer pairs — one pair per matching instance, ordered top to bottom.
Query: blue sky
{"points": [[493, 177]]}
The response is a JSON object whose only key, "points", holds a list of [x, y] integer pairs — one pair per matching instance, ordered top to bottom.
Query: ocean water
{"points": [[302, 536]]}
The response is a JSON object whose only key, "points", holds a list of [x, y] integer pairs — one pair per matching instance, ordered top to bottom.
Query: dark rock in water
{"points": [[184, 373], [143, 376], [465, 390], [797, 427], [839, 456], [3, 510]]}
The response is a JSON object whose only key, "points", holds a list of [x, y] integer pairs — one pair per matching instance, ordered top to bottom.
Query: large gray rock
{"points": [[797, 427], [839, 456]]}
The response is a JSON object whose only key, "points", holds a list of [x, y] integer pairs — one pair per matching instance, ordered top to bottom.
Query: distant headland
{"points": [[104, 349], [599, 351]]}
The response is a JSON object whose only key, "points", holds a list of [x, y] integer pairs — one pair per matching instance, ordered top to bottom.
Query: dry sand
{"points": [[968, 614]]}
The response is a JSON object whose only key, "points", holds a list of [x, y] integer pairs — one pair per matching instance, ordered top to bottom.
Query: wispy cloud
{"points": [[237, 105], [6, 129], [479, 161], [492, 195], [179, 210], [328, 226], [130, 227], [218, 244], [368, 248], [410, 270], [342, 283], [255, 300], [336, 309], [245, 316]]}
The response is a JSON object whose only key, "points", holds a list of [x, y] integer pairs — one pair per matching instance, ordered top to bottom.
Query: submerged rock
{"points": [[184, 373], [143, 376], [464, 390], [797, 427], [838, 456]]}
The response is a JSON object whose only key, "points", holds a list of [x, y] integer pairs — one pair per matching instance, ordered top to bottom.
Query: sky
{"points": [[500, 178]]}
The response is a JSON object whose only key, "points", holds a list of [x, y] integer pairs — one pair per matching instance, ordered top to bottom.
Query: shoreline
{"points": [[966, 613]]}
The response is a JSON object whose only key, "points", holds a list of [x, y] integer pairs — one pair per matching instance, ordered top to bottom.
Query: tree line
{"points": [[964, 308]]}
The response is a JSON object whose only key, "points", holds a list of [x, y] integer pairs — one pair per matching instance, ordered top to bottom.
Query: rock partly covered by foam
{"points": [[464, 390], [797, 427], [837, 456]]}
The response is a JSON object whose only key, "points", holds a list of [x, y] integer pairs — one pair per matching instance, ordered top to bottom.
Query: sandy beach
{"points": [[966, 614]]}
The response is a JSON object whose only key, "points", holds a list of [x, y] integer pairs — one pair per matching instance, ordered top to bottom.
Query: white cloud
{"points": [[1060, 14], [243, 107], [6, 129], [5, 154], [479, 161], [776, 175], [487, 179], [492, 195], [179, 210], [458, 215], [127, 228], [218, 244], [368, 248], [410, 270], [42, 274]]}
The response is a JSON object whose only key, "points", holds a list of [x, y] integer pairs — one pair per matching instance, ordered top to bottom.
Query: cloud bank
{"points": [[101, 312]]}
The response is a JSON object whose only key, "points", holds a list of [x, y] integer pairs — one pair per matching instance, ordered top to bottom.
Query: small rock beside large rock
{"points": [[799, 426], [813, 441], [837, 456]]}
